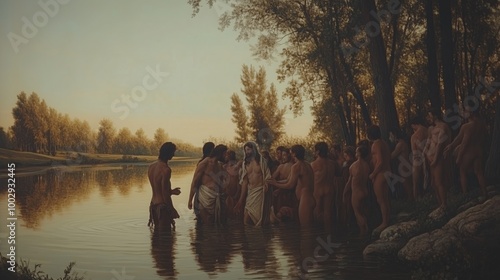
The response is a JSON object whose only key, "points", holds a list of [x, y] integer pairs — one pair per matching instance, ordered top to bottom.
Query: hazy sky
{"points": [[142, 64]]}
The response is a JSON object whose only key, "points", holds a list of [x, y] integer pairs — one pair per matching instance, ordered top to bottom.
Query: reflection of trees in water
{"points": [[181, 168], [45, 195], [41, 196], [213, 247], [162, 251]]}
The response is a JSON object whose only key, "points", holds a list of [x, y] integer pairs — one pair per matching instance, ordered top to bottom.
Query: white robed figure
{"points": [[253, 175]]}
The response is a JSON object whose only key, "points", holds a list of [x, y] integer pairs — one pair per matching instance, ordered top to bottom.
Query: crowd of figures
{"points": [[331, 190]]}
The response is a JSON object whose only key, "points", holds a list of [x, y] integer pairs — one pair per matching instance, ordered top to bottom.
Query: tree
{"points": [[432, 66], [265, 121], [105, 137], [159, 138], [4, 139], [124, 142]]}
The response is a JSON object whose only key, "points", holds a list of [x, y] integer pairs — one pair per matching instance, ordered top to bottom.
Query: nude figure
{"points": [[439, 136], [418, 141], [468, 150], [400, 155], [381, 158], [325, 170], [208, 178], [302, 179], [231, 182], [357, 187], [284, 200], [161, 209]]}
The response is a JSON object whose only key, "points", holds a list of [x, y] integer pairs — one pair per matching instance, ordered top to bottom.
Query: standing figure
{"points": [[439, 136], [418, 142], [468, 149], [400, 155], [381, 162], [325, 170], [209, 179], [302, 179], [231, 182], [357, 186], [255, 196], [284, 201], [161, 209]]}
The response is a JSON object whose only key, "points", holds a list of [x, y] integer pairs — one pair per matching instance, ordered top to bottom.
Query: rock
{"points": [[473, 227], [399, 231], [383, 248]]}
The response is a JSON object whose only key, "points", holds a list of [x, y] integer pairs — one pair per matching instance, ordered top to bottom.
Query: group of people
{"points": [[259, 190]]}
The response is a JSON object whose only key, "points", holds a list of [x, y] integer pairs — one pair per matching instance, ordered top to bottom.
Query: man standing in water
{"points": [[439, 136], [468, 149], [381, 162], [325, 170], [209, 178], [302, 179], [357, 186], [255, 193], [161, 209]]}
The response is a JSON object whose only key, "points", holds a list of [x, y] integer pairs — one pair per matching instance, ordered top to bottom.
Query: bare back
{"points": [[418, 141], [381, 157], [359, 172], [159, 177], [305, 182]]}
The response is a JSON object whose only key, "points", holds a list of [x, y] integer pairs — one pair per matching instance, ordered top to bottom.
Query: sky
{"points": [[142, 64]]}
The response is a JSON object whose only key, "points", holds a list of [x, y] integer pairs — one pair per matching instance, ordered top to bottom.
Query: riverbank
{"points": [[27, 163], [460, 243]]}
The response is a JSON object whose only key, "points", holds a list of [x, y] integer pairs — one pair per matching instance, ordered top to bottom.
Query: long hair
{"points": [[255, 149]]}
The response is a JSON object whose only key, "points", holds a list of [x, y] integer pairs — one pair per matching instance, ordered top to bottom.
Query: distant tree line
{"points": [[41, 129]]}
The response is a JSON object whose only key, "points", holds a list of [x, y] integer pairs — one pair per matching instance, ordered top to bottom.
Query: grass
{"points": [[25, 272]]}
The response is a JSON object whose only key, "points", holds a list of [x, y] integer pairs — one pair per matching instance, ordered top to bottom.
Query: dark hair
{"points": [[436, 112], [417, 120], [373, 132], [364, 142], [255, 148], [280, 148], [322, 148], [207, 149], [286, 150], [350, 150], [167, 151], [218, 151], [299, 151], [363, 151], [232, 154], [266, 154]]}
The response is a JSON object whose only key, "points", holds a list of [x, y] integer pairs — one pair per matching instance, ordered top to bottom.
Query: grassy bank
{"points": [[28, 159], [25, 271]]}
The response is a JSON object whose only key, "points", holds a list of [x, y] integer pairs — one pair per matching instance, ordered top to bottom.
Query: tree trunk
{"points": [[432, 68], [384, 92], [450, 98], [492, 170]]}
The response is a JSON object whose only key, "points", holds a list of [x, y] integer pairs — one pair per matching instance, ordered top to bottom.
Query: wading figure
{"points": [[325, 170], [209, 179], [302, 179], [357, 186], [255, 196], [161, 209]]}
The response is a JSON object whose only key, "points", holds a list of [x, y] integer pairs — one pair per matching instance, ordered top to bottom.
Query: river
{"points": [[97, 217]]}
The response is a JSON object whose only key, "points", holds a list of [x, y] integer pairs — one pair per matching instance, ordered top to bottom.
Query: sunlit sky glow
{"points": [[89, 54]]}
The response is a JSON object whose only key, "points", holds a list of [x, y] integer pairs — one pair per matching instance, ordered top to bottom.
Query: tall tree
{"points": [[447, 49], [432, 64], [384, 91], [265, 121], [105, 137], [124, 142]]}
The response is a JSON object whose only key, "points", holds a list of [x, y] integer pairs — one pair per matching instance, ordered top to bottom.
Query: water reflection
{"points": [[213, 247], [163, 252]]}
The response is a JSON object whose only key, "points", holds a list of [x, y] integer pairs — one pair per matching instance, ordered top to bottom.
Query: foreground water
{"points": [[97, 217]]}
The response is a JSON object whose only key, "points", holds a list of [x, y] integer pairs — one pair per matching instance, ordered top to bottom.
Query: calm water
{"points": [[97, 218]]}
